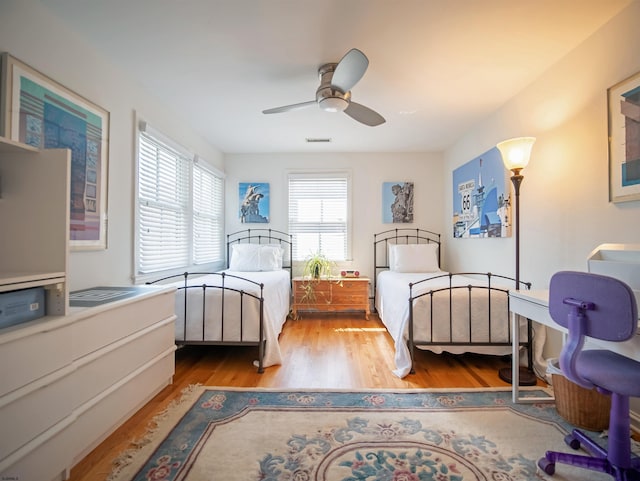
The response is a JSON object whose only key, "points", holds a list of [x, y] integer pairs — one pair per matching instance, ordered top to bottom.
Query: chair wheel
{"points": [[572, 442], [547, 466]]}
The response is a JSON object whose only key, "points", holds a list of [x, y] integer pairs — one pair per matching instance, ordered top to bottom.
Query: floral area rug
{"points": [[426, 435]]}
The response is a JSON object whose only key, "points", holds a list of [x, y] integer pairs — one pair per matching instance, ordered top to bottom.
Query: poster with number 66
{"points": [[481, 193]]}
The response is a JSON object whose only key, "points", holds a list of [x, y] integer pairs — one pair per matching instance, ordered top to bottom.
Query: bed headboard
{"points": [[264, 236], [381, 242]]}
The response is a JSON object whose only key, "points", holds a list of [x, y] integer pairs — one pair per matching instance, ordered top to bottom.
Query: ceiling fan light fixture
{"points": [[334, 92], [333, 104]]}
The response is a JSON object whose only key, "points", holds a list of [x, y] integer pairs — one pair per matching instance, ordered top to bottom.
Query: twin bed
{"points": [[247, 304], [421, 306], [424, 307]]}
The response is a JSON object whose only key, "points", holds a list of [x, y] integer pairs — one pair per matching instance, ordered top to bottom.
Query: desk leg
{"points": [[515, 366]]}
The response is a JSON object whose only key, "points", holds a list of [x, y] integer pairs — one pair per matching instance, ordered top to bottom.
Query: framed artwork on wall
{"points": [[623, 100], [40, 112], [481, 197], [254, 200], [397, 202]]}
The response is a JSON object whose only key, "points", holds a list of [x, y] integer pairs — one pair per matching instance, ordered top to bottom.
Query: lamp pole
{"points": [[515, 155], [516, 179]]}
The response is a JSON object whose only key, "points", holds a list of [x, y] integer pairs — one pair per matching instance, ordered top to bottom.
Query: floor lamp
{"points": [[515, 155]]}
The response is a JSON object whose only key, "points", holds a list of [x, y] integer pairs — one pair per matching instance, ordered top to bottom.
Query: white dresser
{"points": [[71, 377], [69, 381]]}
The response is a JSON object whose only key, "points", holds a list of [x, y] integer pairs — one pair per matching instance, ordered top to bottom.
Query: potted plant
{"points": [[317, 266]]}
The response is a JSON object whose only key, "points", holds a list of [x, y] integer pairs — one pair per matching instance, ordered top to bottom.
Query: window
{"points": [[180, 207], [319, 214], [208, 222]]}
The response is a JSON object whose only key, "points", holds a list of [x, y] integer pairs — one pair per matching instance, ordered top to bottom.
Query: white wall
{"points": [[31, 34], [369, 171], [565, 209], [565, 212]]}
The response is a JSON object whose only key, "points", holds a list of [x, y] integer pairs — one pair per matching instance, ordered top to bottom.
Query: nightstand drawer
{"points": [[353, 285], [347, 298]]}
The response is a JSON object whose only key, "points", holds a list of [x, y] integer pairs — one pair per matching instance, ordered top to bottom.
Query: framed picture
{"points": [[623, 101], [38, 111], [481, 197], [254, 200], [397, 202]]}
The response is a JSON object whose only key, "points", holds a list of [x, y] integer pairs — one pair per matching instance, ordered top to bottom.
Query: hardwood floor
{"points": [[319, 351]]}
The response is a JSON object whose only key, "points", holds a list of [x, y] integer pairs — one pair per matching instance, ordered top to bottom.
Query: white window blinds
{"points": [[163, 196], [180, 208], [318, 214], [208, 220]]}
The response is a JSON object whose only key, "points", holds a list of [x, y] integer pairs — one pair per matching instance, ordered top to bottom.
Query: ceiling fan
{"points": [[334, 93]]}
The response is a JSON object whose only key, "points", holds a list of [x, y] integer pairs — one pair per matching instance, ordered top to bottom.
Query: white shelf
{"points": [[13, 147], [34, 208], [10, 281]]}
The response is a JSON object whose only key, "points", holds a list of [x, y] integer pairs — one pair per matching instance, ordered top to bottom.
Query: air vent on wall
{"points": [[311, 140]]}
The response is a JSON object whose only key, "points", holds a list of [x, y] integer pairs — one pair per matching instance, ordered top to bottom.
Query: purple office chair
{"points": [[604, 308]]}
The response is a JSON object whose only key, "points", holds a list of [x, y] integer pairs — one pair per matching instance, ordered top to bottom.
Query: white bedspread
{"points": [[276, 295], [392, 303]]}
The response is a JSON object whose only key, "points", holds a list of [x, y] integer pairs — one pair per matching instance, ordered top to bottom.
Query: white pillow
{"points": [[245, 257], [255, 257], [413, 257], [270, 258]]}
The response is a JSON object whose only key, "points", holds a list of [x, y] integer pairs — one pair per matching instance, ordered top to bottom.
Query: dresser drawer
{"points": [[360, 286], [307, 290], [331, 295], [348, 298], [110, 324], [29, 353], [104, 368], [31, 410], [106, 412], [47, 457]]}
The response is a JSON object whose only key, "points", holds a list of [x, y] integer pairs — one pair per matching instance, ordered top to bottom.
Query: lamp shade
{"points": [[516, 152]]}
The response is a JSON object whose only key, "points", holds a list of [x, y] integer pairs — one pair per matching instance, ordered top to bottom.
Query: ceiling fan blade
{"points": [[350, 70], [288, 108], [364, 114]]}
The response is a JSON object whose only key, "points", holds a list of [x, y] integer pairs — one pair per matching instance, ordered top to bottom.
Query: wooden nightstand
{"points": [[330, 295]]}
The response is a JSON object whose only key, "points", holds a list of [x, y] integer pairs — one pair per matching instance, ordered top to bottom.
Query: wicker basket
{"points": [[584, 408]]}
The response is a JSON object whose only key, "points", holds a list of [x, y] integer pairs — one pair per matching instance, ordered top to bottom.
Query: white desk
{"points": [[534, 305]]}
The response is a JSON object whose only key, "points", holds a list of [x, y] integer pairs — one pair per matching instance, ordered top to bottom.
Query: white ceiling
{"points": [[436, 67]]}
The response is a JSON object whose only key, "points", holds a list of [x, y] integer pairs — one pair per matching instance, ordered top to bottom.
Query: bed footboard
{"points": [[223, 309], [472, 310]]}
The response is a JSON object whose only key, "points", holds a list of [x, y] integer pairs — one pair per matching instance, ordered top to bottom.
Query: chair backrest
{"points": [[590, 305], [614, 312]]}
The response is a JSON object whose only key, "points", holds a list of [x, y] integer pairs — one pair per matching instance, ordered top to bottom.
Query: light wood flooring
{"points": [[319, 351]]}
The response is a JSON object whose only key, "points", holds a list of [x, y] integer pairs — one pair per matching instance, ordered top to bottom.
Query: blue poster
{"points": [[481, 197], [254, 202]]}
